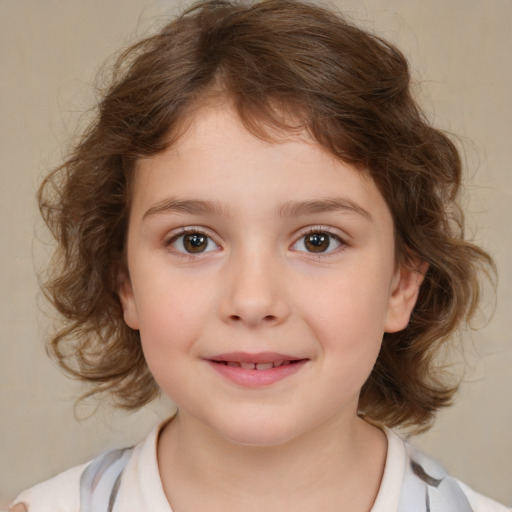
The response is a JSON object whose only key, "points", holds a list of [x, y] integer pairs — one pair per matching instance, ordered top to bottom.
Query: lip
{"points": [[260, 357], [253, 377]]}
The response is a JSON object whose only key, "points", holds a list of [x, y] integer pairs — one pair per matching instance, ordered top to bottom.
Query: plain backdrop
{"points": [[50, 51]]}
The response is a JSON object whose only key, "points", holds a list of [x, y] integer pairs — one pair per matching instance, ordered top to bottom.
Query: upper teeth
{"points": [[257, 366]]}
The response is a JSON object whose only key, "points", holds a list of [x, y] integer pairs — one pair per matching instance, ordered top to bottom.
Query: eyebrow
{"points": [[327, 205], [190, 206], [288, 209]]}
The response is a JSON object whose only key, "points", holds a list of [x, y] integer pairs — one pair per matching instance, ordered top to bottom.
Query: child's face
{"points": [[244, 251]]}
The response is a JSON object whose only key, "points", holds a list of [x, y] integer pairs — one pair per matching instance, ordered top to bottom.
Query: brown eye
{"points": [[317, 242], [193, 243]]}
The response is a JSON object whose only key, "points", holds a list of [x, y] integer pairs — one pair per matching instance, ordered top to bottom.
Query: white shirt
{"points": [[140, 487]]}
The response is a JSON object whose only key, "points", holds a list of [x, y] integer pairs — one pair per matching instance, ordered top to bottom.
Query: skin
{"points": [[257, 287], [19, 507]]}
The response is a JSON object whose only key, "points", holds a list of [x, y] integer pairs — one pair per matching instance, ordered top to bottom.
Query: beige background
{"points": [[49, 53]]}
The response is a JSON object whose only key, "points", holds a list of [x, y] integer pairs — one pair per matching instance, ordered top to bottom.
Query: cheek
{"points": [[347, 303], [347, 317], [171, 319], [171, 325], [168, 333], [351, 347]]}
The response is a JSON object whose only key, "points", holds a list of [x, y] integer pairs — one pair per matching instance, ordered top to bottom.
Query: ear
{"points": [[404, 293], [127, 298]]}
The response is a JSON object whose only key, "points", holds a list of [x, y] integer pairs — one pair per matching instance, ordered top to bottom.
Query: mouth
{"points": [[259, 361], [257, 366], [256, 370]]}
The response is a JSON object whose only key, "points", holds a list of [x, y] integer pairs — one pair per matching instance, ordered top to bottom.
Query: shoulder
{"points": [[426, 480], [90, 487], [60, 493], [481, 503]]}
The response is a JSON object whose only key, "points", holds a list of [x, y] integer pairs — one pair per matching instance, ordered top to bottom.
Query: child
{"points": [[261, 224]]}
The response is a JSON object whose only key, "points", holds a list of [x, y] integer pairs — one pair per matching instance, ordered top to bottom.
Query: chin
{"points": [[258, 433], [259, 439]]}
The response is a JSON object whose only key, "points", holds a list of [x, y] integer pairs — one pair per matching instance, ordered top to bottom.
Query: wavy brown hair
{"points": [[285, 65]]}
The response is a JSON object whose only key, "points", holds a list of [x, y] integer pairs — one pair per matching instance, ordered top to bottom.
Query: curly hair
{"points": [[351, 91]]}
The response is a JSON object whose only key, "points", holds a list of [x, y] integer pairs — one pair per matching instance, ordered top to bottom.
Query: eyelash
{"points": [[315, 230], [322, 230], [168, 243]]}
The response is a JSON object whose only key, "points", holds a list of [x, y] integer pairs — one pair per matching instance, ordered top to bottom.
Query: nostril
{"points": [[266, 319]]}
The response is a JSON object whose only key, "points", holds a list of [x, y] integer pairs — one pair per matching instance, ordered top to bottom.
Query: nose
{"points": [[254, 293]]}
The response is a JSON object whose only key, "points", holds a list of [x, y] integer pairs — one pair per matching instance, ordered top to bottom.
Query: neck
{"points": [[337, 466]]}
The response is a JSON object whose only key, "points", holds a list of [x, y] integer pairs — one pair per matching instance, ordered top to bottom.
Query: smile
{"points": [[255, 366], [256, 370]]}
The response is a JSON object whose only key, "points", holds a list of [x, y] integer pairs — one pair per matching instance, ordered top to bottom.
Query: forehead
{"points": [[218, 159]]}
